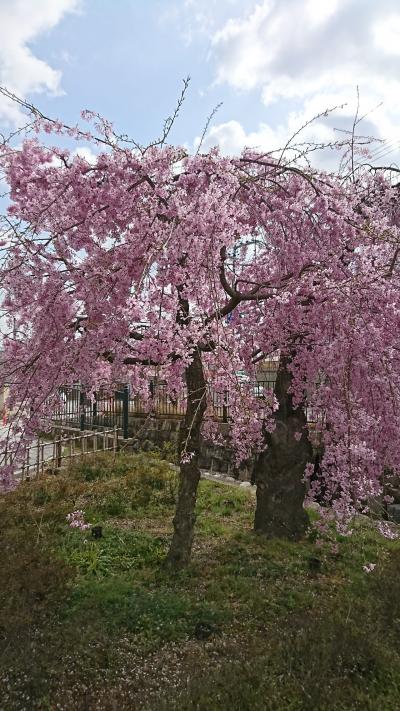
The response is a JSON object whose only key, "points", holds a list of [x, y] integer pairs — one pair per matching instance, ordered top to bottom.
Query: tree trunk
{"points": [[279, 471], [189, 476]]}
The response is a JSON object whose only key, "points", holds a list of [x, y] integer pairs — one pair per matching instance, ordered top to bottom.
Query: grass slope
{"points": [[251, 624]]}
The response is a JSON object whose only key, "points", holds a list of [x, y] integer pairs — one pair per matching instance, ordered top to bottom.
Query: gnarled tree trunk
{"points": [[189, 450], [279, 470]]}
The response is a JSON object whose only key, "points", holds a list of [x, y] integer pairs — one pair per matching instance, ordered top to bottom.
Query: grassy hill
{"points": [[91, 623]]}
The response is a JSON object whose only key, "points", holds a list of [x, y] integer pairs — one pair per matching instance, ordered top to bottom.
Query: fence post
{"points": [[151, 388], [225, 407], [81, 411], [125, 412], [94, 420], [42, 446], [58, 454], [38, 459], [28, 465]]}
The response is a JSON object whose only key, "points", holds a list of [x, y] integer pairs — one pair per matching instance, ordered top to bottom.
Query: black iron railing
{"points": [[105, 408]]}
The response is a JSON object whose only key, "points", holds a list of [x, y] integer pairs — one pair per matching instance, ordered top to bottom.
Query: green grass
{"points": [[91, 623]]}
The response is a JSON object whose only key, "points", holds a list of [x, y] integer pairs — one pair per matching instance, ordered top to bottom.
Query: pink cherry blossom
{"points": [[232, 259]]}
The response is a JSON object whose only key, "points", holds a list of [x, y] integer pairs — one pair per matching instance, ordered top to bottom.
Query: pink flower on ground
{"points": [[76, 519], [387, 531], [369, 567]]}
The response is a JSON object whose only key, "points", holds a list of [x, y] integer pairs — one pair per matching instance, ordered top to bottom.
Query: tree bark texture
{"points": [[279, 470], [189, 476]]}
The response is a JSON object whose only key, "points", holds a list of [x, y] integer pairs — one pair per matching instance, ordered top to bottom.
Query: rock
{"points": [[245, 484], [313, 506], [394, 512], [314, 564], [204, 630]]}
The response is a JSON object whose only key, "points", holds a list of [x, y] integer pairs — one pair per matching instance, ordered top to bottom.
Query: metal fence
{"points": [[105, 409], [44, 455]]}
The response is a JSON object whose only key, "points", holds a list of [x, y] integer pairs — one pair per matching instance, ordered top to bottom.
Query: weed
{"points": [[116, 551]]}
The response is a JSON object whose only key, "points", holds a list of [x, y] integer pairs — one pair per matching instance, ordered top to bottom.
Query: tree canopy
{"points": [[196, 268]]}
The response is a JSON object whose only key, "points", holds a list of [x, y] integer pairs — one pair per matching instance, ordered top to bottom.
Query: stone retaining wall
{"points": [[150, 432]]}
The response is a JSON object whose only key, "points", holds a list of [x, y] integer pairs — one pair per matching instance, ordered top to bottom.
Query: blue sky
{"points": [[273, 63]]}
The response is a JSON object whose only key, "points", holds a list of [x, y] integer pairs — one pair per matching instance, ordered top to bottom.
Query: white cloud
{"points": [[198, 18], [21, 22], [386, 35], [292, 48], [312, 54], [298, 129], [232, 138], [86, 153]]}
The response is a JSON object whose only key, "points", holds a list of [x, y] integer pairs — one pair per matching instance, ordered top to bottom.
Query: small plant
{"points": [[167, 452], [41, 497], [114, 505]]}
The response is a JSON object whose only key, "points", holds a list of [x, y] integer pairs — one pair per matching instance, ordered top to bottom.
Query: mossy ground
{"points": [[99, 624]]}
